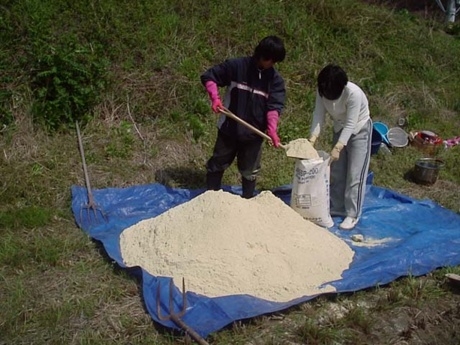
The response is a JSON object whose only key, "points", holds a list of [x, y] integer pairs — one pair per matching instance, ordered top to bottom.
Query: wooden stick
{"points": [[228, 113]]}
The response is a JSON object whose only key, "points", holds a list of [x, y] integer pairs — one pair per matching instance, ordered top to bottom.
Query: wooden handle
{"points": [[228, 113], [85, 168], [189, 330]]}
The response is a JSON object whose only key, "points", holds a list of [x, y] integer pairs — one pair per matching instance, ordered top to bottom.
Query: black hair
{"points": [[270, 48], [331, 81]]}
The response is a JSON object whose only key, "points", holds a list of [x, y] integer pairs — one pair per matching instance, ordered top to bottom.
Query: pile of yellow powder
{"points": [[223, 244]]}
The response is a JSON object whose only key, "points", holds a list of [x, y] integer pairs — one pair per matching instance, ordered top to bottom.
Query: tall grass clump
{"points": [[65, 74], [66, 83]]}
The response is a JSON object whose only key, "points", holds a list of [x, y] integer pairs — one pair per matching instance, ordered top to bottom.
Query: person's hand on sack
{"points": [[272, 125], [312, 140], [335, 153]]}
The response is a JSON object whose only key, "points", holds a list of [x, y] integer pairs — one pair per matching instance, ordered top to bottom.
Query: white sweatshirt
{"points": [[349, 112]]}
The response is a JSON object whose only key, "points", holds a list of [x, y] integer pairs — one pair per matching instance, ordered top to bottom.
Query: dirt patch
{"points": [[433, 322]]}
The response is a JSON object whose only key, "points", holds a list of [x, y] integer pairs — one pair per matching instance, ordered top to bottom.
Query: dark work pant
{"points": [[247, 153]]}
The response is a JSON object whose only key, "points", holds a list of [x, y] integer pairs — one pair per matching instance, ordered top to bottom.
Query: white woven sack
{"points": [[310, 190]]}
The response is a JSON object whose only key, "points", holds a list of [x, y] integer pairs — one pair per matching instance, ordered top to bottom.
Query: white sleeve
{"points": [[353, 109], [318, 116]]}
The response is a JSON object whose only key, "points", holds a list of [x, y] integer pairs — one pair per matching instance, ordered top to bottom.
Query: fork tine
{"points": [[92, 215], [171, 297], [184, 299], [171, 301], [160, 316], [176, 317]]}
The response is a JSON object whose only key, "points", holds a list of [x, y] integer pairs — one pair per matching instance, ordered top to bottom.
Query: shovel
{"points": [[299, 148]]}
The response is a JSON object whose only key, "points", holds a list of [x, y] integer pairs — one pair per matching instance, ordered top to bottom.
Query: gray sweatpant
{"points": [[349, 174]]}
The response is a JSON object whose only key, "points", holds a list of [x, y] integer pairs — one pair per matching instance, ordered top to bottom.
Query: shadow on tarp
{"points": [[180, 177], [403, 237]]}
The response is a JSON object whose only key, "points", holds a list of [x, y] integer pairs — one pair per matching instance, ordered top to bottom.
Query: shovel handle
{"points": [[229, 114]]}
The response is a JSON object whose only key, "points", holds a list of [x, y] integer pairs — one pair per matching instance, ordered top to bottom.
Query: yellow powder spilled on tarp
{"points": [[223, 244]]}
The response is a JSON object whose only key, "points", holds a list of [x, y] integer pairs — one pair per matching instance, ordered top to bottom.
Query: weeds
{"points": [[66, 82], [121, 141], [28, 217], [358, 318], [311, 333]]}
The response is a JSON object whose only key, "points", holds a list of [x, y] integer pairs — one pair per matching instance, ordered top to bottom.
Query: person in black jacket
{"points": [[255, 93]]}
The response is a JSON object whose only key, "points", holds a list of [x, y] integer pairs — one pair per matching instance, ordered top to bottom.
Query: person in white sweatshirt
{"points": [[348, 107]]}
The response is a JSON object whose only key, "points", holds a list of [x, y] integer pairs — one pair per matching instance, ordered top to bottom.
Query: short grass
{"points": [[153, 124]]}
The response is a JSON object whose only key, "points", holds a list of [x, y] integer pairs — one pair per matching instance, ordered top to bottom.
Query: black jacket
{"points": [[250, 94]]}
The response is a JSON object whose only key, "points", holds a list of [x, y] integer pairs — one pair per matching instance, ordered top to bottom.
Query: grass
{"points": [[152, 123]]}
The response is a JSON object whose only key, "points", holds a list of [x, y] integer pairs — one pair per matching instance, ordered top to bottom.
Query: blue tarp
{"points": [[411, 237]]}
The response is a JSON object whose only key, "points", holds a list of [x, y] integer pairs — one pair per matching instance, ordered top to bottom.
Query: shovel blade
{"points": [[301, 149]]}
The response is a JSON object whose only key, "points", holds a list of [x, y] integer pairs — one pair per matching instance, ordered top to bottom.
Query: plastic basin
{"points": [[382, 129], [397, 137], [376, 141]]}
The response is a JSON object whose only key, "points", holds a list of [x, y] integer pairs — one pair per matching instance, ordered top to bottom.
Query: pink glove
{"points": [[216, 103], [272, 124]]}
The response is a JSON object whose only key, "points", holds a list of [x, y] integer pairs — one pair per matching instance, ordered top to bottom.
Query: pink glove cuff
{"points": [[211, 88], [272, 121], [272, 125]]}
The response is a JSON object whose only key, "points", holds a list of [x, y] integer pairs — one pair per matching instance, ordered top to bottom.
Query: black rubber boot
{"points": [[214, 180], [248, 188]]}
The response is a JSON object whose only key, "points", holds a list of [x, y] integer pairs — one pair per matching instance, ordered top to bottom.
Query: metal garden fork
{"points": [[91, 207], [176, 317]]}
